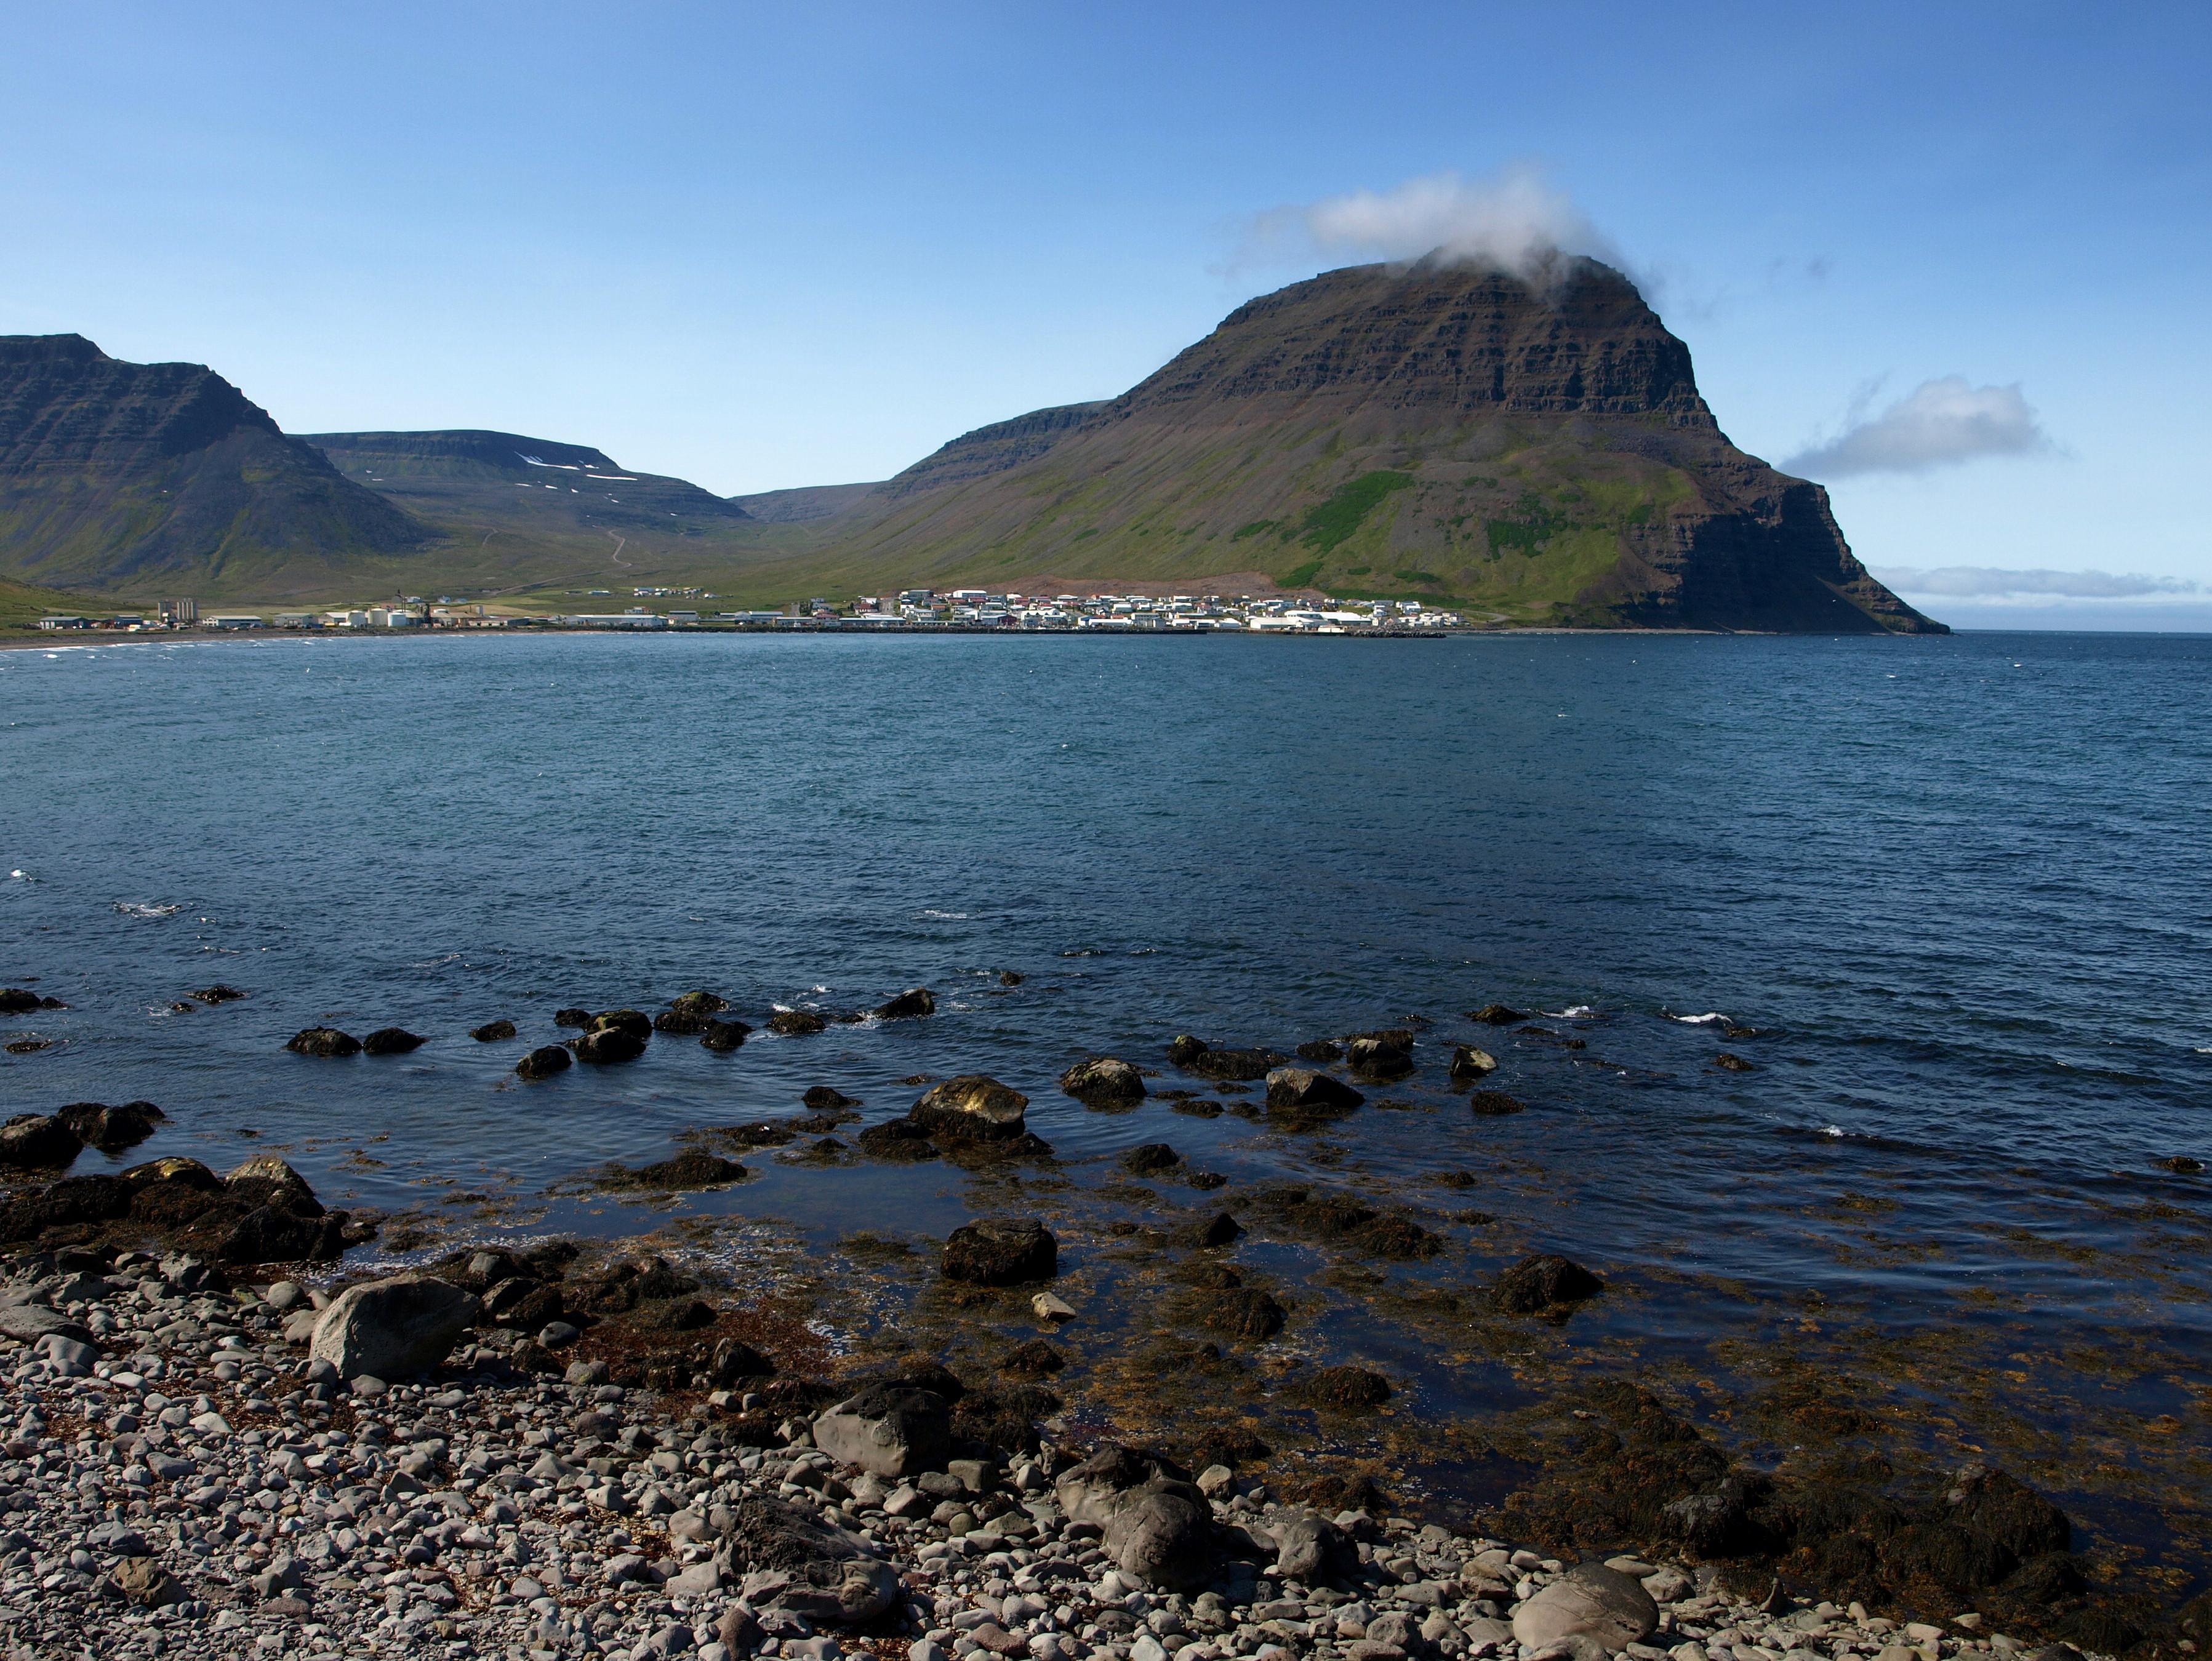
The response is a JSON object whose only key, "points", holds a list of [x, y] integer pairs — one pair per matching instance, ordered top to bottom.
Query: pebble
{"points": [[487, 1515]]}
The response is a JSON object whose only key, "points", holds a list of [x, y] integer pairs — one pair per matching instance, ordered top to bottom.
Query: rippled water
{"points": [[1958, 886]]}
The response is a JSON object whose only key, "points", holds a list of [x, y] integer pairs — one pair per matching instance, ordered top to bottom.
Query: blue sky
{"points": [[762, 248]]}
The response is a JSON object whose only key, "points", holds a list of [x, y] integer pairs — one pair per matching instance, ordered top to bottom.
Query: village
{"points": [[961, 608]]}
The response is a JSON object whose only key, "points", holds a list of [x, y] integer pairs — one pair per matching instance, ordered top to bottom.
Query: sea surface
{"points": [[1957, 888]]}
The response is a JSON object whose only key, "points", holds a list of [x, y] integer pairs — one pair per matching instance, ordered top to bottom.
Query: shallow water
{"points": [[1956, 885]]}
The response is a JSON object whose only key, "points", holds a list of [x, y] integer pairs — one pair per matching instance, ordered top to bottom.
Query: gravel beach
{"points": [[188, 1472]]}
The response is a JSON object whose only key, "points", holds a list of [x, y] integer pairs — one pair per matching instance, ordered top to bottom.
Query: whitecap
{"points": [[21, 877], [130, 908], [944, 916], [1576, 1012], [1710, 1018], [2204, 1049], [1835, 1131]]}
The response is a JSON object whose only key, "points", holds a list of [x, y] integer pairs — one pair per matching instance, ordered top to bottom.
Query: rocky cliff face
{"points": [[1535, 454], [114, 471]]}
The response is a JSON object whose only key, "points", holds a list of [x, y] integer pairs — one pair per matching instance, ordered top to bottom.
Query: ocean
{"points": [[1954, 888]]}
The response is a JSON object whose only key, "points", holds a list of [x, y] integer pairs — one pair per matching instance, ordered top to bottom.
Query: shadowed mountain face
{"points": [[1540, 455], [115, 472]]}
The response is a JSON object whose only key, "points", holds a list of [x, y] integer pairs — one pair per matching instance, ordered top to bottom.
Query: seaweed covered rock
{"points": [[911, 1004], [688, 1012], [796, 1023], [492, 1031], [723, 1033], [612, 1038], [323, 1042], [391, 1042], [542, 1063], [1103, 1082], [1302, 1094], [974, 1107], [111, 1129], [898, 1141], [37, 1142], [692, 1169], [1001, 1252], [1544, 1283], [1243, 1312], [1343, 1389], [794, 1564]]}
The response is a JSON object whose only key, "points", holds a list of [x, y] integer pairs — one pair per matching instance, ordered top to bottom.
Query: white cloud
{"points": [[1511, 221], [1941, 423], [1985, 582]]}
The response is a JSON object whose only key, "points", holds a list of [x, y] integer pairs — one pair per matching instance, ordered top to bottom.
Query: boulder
{"points": [[221, 992], [17, 1000], [915, 1001], [689, 1012], [1497, 1015], [572, 1017], [636, 1023], [796, 1023], [493, 1031], [723, 1033], [323, 1042], [391, 1042], [603, 1046], [1320, 1051], [1380, 1057], [542, 1062], [1468, 1063], [1234, 1066], [1103, 1082], [1302, 1092], [825, 1098], [1491, 1104], [974, 1107], [111, 1129], [898, 1141], [37, 1142], [1150, 1158], [690, 1170], [265, 1179], [1219, 1229], [269, 1234], [1001, 1252], [1542, 1284], [1243, 1312], [392, 1328], [735, 1359], [1346, 1388], [887, 1431], [1159, 1527], [1310, 1548], [791, 1564], [1588, 1601]]}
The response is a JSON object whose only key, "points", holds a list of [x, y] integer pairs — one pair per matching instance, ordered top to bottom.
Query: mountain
{"points": [[1537, 453], [165, 474]]}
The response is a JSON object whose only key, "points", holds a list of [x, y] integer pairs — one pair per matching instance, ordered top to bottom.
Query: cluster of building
{"points": [[913, 608]]}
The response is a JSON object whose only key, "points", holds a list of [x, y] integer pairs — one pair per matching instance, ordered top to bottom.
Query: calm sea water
{"points": [[1958, 885]]}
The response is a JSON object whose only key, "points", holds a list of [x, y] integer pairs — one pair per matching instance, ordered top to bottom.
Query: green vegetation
{"points": [[1334, 520], [1536, 525], [1252, 528], [1087, 531], [1299, 576], [1419, 579]]}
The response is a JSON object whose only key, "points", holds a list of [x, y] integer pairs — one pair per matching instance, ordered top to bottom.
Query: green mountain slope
{"points": [[1541, 456], [127, 474]]}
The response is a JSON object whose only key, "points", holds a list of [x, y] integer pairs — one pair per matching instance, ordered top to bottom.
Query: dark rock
{"points": [[1010, 977], [218, 993], [17, 1000], [909, 1005], [689, 1012], [1497, 1015], [572, 1017], [636, 1023], [796, 1023], [493, 1031], [723, 1033], [323, 1042], [391, 1042], [605, 1046], [1183, 1049], [1321, 1052], [1380, 1056], [542, 1062], [1469, 1062], [1733, 1063], [1235, 1066], [1103, 1082], [1301, 1093], [822, 1099], [1491, 1104], [974, 1107], [111, 1129], [39, 1142], [900, 1142], [1150, 1158], [2180, 1164], [690, 1170], [265, 1179], [1219, 1230], [269, 1234], [1001, 1252], [1542, 1284], [526, 1306], [1243, 1312], [677, 1315], [1032, 1358], [734, 1360], [1347, 1389], [1005, 1419], [2004, 1508], [1311, 1549], [794, 1564]]}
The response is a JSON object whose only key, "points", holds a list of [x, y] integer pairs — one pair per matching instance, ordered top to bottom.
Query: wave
{"points": [[21, 877], [132, 908], [944, 916], [1572, 1012], [1710, 1018]]}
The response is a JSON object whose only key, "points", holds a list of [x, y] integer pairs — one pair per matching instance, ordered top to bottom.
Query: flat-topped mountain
{"points": [[1541, 453], [123, 472]]}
